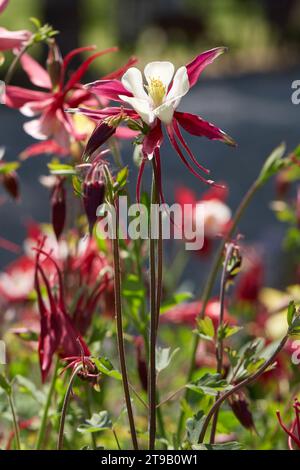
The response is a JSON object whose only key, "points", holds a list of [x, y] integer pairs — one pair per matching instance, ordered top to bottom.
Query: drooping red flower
{"points": [[57, 95], [155, 105], [58, 333], [294, 431]]}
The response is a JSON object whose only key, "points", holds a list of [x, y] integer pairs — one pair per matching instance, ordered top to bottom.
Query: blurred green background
{"points": [[261, 34]]}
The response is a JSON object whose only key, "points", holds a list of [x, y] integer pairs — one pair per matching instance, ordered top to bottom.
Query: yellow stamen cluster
{"points": [[156, 91]]}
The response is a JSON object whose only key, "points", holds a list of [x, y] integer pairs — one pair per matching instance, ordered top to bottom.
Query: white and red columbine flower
{"points": [[155, 99]]}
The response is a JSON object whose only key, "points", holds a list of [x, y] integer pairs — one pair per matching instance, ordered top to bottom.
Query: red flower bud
{"points": [[54, 64], [10, 182], [93, 193], [58, 208], [141, 363], [240, 408]]}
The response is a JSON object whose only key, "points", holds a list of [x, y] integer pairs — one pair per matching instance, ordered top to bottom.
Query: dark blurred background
{"points": [[247, 92]]}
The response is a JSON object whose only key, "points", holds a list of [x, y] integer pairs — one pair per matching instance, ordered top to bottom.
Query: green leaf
{"points": [[273, 164], [62, 169], [121, 178], [76, 185], [175, 300], [291, 312], [206, 329], [226, 331], [163, 358], [105, 366], [209, 384], [5, 385], [29, 388], [98, 422], [194, 427], [226, 446]]}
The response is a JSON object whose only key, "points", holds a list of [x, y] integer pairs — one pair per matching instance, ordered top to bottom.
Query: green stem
{"points": [[13, 65], [211, 281], [152, 333], [120, 338], [220, 342], [240, 385], [89, 410], [15, 421], [43, 424], [60, 440]]}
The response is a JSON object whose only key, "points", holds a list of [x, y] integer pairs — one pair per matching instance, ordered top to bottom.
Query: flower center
{"points": [[157, 91]]}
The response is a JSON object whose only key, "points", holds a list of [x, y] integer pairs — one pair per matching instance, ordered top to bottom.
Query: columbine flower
{"points": [[12, 39], [154, 102], [50, 104], [216, 213], [58, 333], [294, 431]]}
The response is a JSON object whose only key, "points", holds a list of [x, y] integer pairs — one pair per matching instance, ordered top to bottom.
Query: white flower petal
{"points": [[163, 71], [132, 80], [180, 86], [141, 106], [165, 112]]}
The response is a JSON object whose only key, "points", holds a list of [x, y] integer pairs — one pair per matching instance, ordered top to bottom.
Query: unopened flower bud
{"points": [[54, 64], [10, 182], [93, 195], [58, 208], [141, 363], [240, 408]]}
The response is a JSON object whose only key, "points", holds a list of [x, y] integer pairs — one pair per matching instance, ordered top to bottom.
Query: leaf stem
{"points": [[153, 326], [120, 338], [220, 345], [15, 421], [60, 440]]}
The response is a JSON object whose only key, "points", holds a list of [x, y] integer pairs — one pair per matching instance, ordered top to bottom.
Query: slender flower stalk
{"points": [[212, 278], [153, 329], [120, 338], [220, 345], [244, 383], [15, 421], [43, 424], [60, 440]]}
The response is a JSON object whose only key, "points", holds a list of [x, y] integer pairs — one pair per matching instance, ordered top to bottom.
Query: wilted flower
{"points": [[294, 431]]}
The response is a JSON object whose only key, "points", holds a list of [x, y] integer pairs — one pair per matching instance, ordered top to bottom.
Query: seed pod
{"points": [[11, 184], [93, 194], [58, 208], [240, 408]]}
